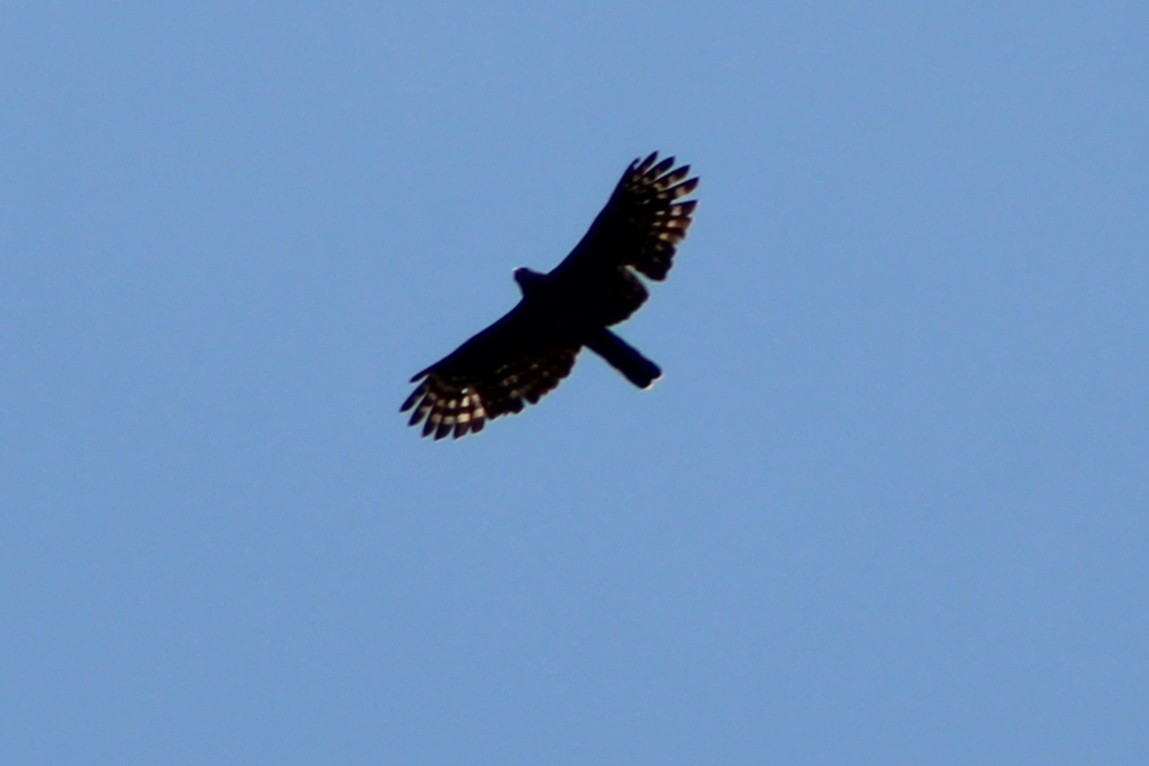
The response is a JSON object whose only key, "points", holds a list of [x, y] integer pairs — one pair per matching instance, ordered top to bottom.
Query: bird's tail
{"points": [[624, 357]]}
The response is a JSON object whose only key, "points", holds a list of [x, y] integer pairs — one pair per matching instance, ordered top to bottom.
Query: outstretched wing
{"points": [[640, 228], [511, 362]]}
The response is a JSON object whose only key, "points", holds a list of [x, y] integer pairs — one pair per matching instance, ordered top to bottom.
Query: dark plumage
{"points": [[530, 349]]}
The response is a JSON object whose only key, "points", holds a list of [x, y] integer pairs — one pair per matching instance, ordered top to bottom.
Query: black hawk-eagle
{"points": [[528, 351]]}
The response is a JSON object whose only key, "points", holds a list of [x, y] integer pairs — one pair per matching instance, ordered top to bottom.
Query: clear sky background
{"points": [[889, 503]]}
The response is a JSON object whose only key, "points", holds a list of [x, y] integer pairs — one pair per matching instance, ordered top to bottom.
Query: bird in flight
{"points": [[525, 354]]}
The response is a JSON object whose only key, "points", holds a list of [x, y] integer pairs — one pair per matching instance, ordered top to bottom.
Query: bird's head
{"points": [[527, 279]]}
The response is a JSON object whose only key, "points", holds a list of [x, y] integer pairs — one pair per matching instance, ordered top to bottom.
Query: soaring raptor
{"points": [[529, 350]]}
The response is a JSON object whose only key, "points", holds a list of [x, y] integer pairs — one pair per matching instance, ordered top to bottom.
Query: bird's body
{"points": [[530, 349]]}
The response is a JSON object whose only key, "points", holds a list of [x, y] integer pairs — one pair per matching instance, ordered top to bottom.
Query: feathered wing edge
{"points": [[649, 197], [642, 222], [636, 232], [461, 402], [444, 407]]}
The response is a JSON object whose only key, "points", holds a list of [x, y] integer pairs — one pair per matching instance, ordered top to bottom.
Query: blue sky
{"points": [[887, 505]]}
